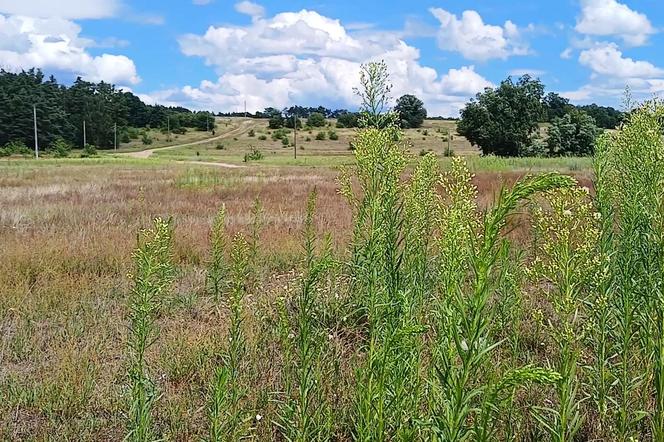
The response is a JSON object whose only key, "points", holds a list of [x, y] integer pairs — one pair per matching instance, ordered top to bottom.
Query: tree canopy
{"points": [[61, 111], [411, 111], [316, 119], [503, 121], [572, 134]]}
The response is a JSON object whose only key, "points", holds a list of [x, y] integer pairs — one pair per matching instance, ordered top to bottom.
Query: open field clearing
{"points": [[238, 136], [67, 235], [387, 284]]}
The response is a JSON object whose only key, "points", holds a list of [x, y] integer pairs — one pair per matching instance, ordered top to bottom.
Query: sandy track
{"points": [[243, 127], [212, 163]]}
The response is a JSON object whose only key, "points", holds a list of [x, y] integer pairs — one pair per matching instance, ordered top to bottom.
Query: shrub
{"points": [[316, 120], [348, 120], [276, 122], [133, 133], [251, 133], [279, 134], [333, 135], [320, 136], [124, 137], [262, 137], [146, 139], [307, 139], [285, 142], [219, 146], [15, 148], [60, 148], [89, 151], [253, 155]]}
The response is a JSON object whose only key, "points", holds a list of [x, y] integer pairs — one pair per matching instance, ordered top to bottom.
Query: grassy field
{"points": [[237, 143], [67, 231], [407, 297]]}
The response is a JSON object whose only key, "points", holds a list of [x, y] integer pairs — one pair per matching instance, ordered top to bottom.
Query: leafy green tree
{"points": [[555, 106], [411, 111], [605, 116], [347, 119], [316, 120], [204, 121], [276, 121], [290, 121], [504, 121], [572, 134]]}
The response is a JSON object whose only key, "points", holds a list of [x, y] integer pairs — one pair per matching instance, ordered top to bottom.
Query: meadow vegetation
{"points": [[409, 299]]}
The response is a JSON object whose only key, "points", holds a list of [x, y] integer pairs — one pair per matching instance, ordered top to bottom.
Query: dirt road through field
{"points": [[243, 127]]}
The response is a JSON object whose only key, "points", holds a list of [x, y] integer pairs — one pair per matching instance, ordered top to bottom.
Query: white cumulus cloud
{"points": [[250, 8], [68, 9], [611, 18], [476, 40], [54, 44], [306, 58], [607, 59], [612, 72]]}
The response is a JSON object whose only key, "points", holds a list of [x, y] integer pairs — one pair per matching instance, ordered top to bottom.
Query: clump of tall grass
{"points": [[217, 267], [153, 275]]}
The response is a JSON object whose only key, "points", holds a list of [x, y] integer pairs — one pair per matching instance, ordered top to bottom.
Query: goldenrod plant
{"points": [[566, 264], [152, 278], [228, 419]]}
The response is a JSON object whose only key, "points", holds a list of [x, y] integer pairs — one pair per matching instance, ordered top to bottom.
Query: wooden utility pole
{"points": [[34, 115], [168, 125], [115, 136], [295, 136]]}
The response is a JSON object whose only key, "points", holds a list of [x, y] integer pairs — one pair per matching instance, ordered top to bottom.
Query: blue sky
{"points": [[219, 54]]}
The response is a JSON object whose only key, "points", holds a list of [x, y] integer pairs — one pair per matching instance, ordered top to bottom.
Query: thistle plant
{"points": [[566, 260], [153, 275], [227, 419]]}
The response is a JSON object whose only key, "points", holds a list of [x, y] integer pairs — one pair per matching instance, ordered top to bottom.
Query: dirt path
{"points": [[242, 128], [211, 163]]}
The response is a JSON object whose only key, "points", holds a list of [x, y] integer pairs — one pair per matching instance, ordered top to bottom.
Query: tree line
{"points": [[61, 111], [502, 121]]}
